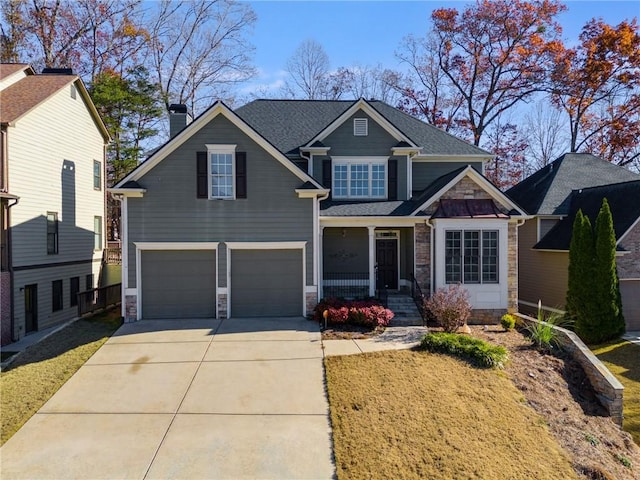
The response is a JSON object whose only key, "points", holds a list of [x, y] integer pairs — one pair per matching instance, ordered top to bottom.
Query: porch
{"points": [[372, 261]]}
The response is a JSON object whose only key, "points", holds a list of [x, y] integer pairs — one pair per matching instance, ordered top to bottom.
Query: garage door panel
{"points": [[266, 283], [178, 284]]}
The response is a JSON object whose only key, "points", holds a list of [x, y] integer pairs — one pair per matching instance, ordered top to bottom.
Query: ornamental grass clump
{"points": [[450, 307], [477, 351]]}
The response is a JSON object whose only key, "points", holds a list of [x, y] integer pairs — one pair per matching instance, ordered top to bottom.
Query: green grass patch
{"points": [[476, 351], [622, 358], [41, 370]]}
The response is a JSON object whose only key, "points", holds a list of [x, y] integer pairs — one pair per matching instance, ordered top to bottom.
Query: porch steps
{"points": [[405, 311]]}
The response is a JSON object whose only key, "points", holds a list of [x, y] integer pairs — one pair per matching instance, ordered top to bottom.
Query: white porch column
{"points": [[320, 257], [372, 261]]}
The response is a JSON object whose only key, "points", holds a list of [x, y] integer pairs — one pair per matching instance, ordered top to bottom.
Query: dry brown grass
{"points": [[41, 370], [407, 414]]}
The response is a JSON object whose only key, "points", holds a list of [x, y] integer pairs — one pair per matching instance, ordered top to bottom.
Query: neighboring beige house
{"points": [[52, 194], [553, 195]]}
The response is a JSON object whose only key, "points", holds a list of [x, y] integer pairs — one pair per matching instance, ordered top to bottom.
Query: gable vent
{"points": [[360, 127]]}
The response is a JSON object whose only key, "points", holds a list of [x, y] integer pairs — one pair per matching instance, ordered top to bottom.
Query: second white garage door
{"points": [[266, 283]]}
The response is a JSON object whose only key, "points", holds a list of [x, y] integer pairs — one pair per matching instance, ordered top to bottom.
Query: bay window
{"points": [[471, 256]]}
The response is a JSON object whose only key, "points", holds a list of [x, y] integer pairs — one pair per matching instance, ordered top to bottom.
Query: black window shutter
{"points": [[326, 173], [241, 174], [202, 175], [393, 180]]}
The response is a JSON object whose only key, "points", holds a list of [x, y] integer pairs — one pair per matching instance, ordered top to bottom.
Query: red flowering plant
{"points": [[367, 313]]}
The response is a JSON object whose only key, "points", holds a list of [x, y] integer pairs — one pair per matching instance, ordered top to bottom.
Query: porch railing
{"points": [[112, 256], [345, 284], [99, 298], [418, 298]]}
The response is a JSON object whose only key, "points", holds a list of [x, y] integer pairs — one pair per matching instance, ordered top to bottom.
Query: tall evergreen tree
{"points": [[580, 301], [608, 313]]}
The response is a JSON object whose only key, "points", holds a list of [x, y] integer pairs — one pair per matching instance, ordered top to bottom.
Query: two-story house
{"points": [[52, 196], [264, 210]]}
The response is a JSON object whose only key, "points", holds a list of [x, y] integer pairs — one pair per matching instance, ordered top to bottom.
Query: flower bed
{"points": [[368, 313]]}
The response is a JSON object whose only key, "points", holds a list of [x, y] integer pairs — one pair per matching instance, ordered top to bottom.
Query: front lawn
{"points": [[622, 358], [42, 369], [407, 414]]}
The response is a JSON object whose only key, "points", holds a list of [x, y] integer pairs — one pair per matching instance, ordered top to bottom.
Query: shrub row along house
{"points": [[52, 197], [264, 210]]}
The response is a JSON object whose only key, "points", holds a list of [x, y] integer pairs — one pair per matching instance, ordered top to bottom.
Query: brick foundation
{"points": [[422, 237], [311, 302], [131, 308], [486, 316]]}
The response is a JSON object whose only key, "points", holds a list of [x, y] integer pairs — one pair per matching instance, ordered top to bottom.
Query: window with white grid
{"points": [[360, 179], [471, 256]]}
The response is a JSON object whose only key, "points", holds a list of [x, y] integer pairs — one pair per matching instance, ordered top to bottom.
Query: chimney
{"points": [[57, 71], [178, 118]]}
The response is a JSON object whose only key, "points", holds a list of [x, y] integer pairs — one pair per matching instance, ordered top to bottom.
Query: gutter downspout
{"points": [[318, 243]]}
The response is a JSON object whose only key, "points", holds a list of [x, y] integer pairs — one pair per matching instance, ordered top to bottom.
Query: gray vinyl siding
{"points": [[343, 143], [424, 173], [402, 178], [170, 211], [348, 253], [43, 278]]}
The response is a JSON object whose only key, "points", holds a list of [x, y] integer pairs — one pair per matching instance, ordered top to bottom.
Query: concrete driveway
{"points": [[189, 399]]}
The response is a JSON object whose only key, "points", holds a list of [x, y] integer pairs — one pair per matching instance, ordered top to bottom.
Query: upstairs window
{"points": [[360, 127], [221, 171], [97, 175], [357, 178], [52, 233], [97, 233], [471, 256]]}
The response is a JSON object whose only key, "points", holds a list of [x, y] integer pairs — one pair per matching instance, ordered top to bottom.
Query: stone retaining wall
{"points": [[607, 387]]}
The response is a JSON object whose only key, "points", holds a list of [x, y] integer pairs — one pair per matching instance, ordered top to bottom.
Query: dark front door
{"points": [[387, 262], [31, 308]]}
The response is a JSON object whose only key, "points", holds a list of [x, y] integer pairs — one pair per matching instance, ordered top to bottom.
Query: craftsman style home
{"points": [[553, 195], [52, 197], [264, 210]]}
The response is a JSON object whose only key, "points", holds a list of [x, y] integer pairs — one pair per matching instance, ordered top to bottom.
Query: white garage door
{"points": [[178, 283], [266, 283]]}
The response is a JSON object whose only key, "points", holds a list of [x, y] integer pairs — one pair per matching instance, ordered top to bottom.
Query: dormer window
{"points": [[360, 127]]}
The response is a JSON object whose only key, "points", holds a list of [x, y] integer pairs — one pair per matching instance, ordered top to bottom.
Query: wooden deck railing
{"points": [[99, 298]]}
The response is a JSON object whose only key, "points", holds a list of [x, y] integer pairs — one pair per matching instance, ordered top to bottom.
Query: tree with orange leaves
{"points": [[496, 54], [597, 84]]}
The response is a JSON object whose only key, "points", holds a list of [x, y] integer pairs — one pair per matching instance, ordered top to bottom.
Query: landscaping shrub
{"points": [[450, 307], [368, 313], [508, 321], [542, 333], [478, 351]]}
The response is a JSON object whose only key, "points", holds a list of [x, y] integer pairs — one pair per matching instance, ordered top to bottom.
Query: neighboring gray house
{"points": [[553, 196], [52, 197], [264, 210]]}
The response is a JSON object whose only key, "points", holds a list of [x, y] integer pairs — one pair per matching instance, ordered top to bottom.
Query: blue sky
{"points": [[369, 32]]}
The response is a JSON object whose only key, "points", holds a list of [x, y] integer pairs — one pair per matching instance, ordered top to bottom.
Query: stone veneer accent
{"points": [[465, 189], [422, 235], [512, 268], [311, 299], [222, 306], [5, 307], [131, 308], [486, 316], [608, 388]]}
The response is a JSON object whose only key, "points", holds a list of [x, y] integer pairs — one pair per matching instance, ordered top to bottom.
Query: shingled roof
{"points": [[28, 93], [289, 124], [548, 191], [623, 202]]}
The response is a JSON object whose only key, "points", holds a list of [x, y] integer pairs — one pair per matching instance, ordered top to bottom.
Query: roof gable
{"points": [[25, 95], [218, 108], [445, 183], [548, 191], [625, 213]]}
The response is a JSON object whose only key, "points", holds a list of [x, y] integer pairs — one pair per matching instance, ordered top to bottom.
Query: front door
{"points": [[387, 264], [31, 308]]}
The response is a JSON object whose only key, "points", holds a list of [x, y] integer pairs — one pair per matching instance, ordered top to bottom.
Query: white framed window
{"points": [[360, 127], [221, 170], [359, 177], [471, 256]]}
